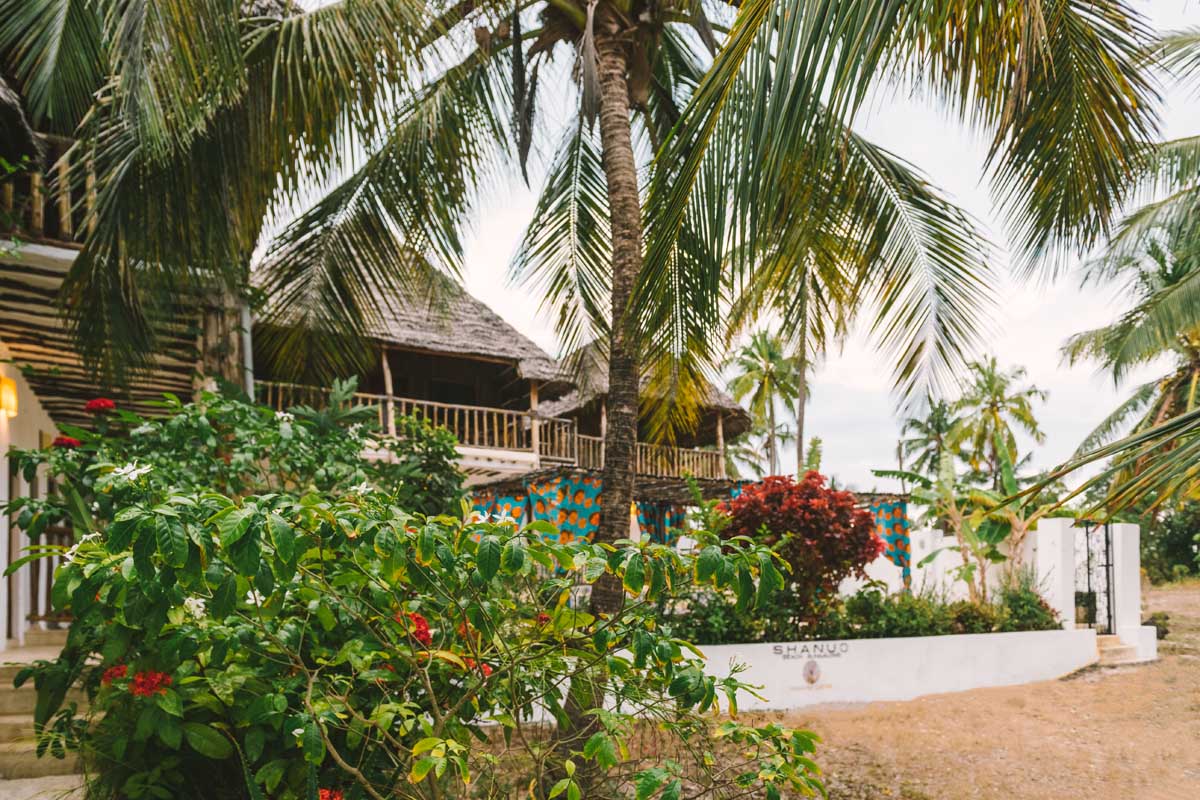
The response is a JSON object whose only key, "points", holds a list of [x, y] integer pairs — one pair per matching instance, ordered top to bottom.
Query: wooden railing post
{"points": [[37, 212], [66, 227], [389, 409], [535, 432]]}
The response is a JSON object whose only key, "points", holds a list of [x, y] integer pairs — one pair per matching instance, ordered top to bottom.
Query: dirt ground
{"points": [[1117, 733]]}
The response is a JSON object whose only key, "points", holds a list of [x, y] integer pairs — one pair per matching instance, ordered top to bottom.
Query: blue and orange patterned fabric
{"points": [[660, 522], [892, 526]]}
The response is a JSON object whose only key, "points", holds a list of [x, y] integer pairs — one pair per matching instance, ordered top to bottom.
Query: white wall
{"points": [[21, 431], [797, 674]]}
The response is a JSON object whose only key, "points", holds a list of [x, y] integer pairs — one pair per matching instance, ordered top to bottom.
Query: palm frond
{"points": [[53, 50], [390, 228], [565, 256], [1112, 425]]}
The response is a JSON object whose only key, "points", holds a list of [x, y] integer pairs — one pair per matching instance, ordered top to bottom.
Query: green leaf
{"points": [[233, 523], [282, 537], [172, 541], [487, 557], [512, 557], [708, 563], [635, 574], [224, 598], [170, 702], [256, 739], [207, 740], [312, 744], [601, 748], [420, 769], [271, 774]]}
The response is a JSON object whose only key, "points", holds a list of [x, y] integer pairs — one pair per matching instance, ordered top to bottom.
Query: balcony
{"points": [[52, 206], [494, 442]]}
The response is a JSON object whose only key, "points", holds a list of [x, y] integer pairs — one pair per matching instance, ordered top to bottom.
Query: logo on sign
{"points": [[812, 672]]}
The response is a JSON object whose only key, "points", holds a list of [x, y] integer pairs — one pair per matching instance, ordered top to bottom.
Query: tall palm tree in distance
{"points": [[765, 376], [993, 404], [928, 437]]}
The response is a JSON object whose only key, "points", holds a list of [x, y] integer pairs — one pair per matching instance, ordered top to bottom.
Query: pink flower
{"points": [[99, 405], [330, 794]]}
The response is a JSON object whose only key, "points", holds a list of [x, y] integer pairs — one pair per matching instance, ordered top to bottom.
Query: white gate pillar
{"points": [[1050, 550], [1127, 591]]}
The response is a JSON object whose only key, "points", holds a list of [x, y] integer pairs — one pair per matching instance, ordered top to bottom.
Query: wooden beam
{"points": [[388, 390], [535, 428]]}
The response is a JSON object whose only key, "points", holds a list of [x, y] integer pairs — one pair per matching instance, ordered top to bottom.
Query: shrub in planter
{"points": [[821, 534], [1025, 610], [968, 617], [309, 642]]}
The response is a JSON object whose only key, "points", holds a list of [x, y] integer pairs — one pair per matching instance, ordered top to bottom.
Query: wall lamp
{"points": [[8, 397]]}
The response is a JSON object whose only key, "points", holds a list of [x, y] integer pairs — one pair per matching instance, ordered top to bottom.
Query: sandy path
{"points": [[1103, 734]]}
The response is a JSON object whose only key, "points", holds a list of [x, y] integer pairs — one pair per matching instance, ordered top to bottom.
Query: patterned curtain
{"points": [[891, 525]]}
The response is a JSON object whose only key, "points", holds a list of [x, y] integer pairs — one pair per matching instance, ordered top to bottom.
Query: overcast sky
{"points": [[852, 409]]}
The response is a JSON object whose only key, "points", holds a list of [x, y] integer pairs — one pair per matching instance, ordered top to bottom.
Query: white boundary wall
{"points": [[798, 674]]}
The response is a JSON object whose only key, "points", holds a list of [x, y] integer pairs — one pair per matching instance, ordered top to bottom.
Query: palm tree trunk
{"points": [[620, 170], [801, 401], [772, 451]]}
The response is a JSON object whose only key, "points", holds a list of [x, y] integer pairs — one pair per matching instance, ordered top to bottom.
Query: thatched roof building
{"points": [[586, 403]]}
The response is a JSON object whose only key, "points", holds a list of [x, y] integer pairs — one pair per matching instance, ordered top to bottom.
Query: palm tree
{"points": [[767, 143], [759, 173], [1152, 255], [1135, 339], [767, 377], [992, 404], [930, 437], [747, 453]]}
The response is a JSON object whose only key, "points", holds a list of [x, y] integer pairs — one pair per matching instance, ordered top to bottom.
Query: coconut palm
{"points": [[767, 143], [1151, 254], [1134, 340], [765, 376], [993, 403], [928, 437], [746, 455]]}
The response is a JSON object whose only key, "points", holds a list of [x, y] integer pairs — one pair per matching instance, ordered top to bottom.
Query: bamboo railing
{"points": [[50, 205], [554, 439]]}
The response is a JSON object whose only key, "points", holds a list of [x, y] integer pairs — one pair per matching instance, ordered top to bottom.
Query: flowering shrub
{"points": [[99, 405], [821, 534], [257, 615]]}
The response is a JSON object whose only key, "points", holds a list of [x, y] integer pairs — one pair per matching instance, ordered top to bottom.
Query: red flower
{"points": [[99, 405], [68, 442], [543, 618], [419, 627], [486, 669], [113, 674], [148, 684], [330, 794]]}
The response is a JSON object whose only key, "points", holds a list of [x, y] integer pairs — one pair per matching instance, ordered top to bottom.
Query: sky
{"points": [[852, 408]]}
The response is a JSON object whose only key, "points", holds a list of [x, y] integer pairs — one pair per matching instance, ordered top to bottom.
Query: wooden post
{"points": [[90, 196], [36, 210], [65, 225], [389, 408], [535, 428], [721, 433]]}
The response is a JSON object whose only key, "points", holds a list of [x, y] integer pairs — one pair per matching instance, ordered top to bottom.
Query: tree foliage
{"points": [[822, 535], [257, 613]]}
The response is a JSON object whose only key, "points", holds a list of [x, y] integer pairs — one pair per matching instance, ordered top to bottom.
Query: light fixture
{"points": [[8, 397]]}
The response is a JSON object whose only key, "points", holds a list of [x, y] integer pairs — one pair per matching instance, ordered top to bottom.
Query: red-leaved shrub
{"points": [[821, 533]]}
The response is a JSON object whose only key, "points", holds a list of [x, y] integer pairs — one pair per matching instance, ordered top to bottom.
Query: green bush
{"points": [[1171, 547], [1025, 610], [870, 613], [256, 615]]}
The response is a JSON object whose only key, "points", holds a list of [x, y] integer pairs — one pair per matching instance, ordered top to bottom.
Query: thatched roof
{"points": [[17, 139], [452, 322], [589, 365]]}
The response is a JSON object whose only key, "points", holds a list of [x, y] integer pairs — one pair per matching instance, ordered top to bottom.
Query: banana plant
{"points": [[951, 508]]}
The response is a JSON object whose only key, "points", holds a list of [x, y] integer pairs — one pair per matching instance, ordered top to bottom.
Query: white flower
{"points": [[284, 416], [355, 429], [142, 430], [131, 472], [362, 488], [95, 507], [70, 554], [254, 598], [195, 606], [298, 732]]}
